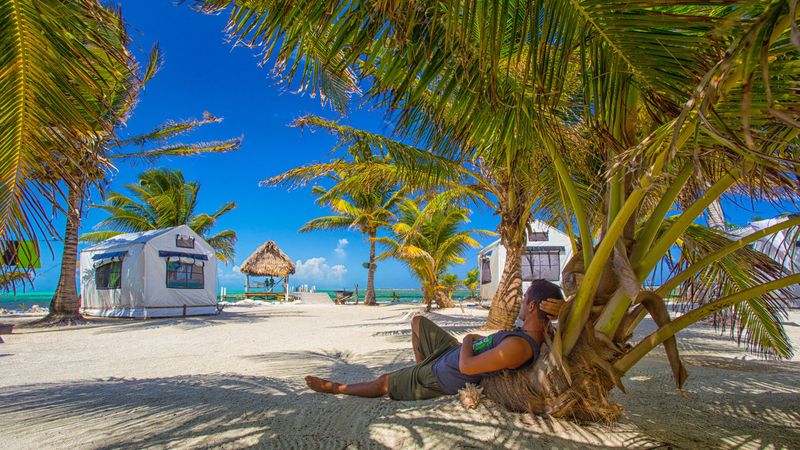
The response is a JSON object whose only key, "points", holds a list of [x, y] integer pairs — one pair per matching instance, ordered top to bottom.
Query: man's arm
{"points": [[511, 353]]}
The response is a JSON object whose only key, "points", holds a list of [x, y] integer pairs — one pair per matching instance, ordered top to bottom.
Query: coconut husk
{"points": [[544, 390]]}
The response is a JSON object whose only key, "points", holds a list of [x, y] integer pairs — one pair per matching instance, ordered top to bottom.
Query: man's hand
{"points": [[552, 307], [471, 337]]}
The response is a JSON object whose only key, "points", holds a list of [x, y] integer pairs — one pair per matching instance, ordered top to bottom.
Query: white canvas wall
{"points": [[781, 246], [496, 254], [156, 274], [144, 292], [100, 302]]}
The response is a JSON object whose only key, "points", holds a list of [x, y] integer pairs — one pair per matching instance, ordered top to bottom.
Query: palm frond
{"points": [[57, 61], [154, 63], [169, 130], [183, 150], [161, 199], [328, 223], [98, 236], [223, 243], [10, 280], [754, 322]]}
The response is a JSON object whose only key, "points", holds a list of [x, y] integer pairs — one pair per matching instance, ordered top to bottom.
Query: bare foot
{"points": [[320, 385]]}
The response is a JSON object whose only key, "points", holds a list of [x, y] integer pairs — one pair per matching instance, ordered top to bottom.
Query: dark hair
{"points": [[541, 290]]}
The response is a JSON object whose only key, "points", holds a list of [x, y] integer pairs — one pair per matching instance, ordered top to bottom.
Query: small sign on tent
{"points": [[20, 254]]}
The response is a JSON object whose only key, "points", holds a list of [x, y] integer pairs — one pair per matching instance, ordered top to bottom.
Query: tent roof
{"points": [[535, 225], [759, 225], [126, 239], [268, 260]]}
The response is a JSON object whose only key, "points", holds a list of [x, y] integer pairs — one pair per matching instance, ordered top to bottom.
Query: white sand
{"points": [[235, 380]]}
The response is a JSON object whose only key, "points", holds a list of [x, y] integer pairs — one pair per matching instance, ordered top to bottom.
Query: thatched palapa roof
{"points": [[268, 260]]}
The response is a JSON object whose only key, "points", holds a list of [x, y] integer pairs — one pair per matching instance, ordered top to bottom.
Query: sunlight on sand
{"points": [[236, 380]]}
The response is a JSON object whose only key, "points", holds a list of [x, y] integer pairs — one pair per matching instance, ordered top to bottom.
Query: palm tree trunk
{"points": [[514, 207], [428, 294], [369, 297], [443, 301], [505, 304], [64, 308]]}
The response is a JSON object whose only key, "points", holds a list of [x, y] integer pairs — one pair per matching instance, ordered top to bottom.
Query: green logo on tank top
{"points": [[482, 344]]}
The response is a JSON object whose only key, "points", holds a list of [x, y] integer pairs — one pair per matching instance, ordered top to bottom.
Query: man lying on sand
{"points": [[443, 366]]}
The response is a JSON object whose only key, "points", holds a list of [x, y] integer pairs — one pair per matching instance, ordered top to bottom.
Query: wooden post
{"points": [[246, 284], [286, 289], [356, 294]]}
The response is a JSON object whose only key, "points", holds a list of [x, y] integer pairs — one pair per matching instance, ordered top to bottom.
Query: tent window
{"points": [[539, 236], [184, 241], [541, 265], [486, 271], [108, 275], [183, 275]]}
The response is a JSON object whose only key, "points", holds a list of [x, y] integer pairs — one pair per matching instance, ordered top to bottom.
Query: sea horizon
{"points": [[25, 300]]}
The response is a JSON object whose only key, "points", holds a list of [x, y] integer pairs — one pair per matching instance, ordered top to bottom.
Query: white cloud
{"points": [[339, 250], [317, 270], [229, 274]]}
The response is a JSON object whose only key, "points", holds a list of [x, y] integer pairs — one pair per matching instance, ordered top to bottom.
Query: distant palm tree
{"points": [[364, 194], [163, 198], [368, 209], [430, 240], [472, 282], [451, 283]]}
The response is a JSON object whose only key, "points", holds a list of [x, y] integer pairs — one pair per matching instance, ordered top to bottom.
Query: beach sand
{"points": [[235, 380]]}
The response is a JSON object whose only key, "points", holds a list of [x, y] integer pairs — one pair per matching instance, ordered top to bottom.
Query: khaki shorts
{"points": [[418, 382]]}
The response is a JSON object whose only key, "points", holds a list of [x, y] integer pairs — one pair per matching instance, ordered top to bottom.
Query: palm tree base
{"points": [[60, 320], [544, 389]]}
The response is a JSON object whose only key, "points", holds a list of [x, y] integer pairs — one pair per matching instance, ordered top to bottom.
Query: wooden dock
{"points": [[310, 298]]}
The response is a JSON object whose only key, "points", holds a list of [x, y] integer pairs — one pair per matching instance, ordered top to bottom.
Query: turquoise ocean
{"points": [[24, 300]]}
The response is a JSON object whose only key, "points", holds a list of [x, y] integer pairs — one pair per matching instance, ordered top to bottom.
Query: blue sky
{"points": [[202, 72]]}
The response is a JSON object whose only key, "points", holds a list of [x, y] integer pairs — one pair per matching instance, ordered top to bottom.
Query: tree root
{"points": [[58, 320]]}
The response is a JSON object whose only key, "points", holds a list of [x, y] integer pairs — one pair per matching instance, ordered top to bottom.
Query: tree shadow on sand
{"points": [[195, 322], [104, 325], [454, 325], [340, 365], [727, 403], [235, 410]]}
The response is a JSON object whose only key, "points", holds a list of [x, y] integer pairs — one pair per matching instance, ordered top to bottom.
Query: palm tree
{"points": [[57, 61], [121, 99], [643, 127], [375, 160], [508, 187], [162, 199], [359, 199], [367, 210], [429, 240], [451, 283], [472, 283], [65, 303]]}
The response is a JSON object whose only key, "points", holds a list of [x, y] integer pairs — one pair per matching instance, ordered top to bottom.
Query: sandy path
{"points": [[236, 380]]}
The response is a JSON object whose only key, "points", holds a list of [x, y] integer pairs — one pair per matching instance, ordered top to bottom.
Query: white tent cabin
{"points": [[783, 247], [547, 251], [160, 273]]}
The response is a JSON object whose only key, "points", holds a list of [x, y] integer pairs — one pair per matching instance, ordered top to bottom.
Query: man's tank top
{"points": [[446, 367]]}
